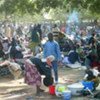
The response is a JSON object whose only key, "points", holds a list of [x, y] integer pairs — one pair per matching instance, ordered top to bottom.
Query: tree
{"points": [[91, 5], [32, 6]]}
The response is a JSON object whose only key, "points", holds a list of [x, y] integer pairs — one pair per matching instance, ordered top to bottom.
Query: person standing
{"points": [[35, 39], [51, 47]]}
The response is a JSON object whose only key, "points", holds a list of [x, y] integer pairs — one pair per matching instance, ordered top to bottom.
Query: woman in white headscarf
{"points": [[34, 68]]}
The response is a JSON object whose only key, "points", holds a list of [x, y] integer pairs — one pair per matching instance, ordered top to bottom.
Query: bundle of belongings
{"points": [[13, 67], [91, 81], [88, 85]]}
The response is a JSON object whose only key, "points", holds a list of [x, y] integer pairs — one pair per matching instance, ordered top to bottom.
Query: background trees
{"points": [[33, 7]]}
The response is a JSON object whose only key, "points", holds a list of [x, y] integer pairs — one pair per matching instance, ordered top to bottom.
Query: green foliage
{"points": [[91, 5], [12, 6], [30, 6], [34, 7]]}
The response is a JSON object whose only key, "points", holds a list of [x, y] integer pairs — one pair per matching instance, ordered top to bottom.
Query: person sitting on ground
{"points": [[15, 50], [71, 58], [91, 59], [92, 76]]}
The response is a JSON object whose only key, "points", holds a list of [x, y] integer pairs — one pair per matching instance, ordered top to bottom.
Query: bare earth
{"points": [[16, 89]]}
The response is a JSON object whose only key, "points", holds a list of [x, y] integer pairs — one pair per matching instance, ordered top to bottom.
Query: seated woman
{"points": [[15, 50], [71, 58], [92, 59], [34, 68], [92, 76]]}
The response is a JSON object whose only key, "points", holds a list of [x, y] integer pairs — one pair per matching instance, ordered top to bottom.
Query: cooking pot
{"points": [[75, 88]]}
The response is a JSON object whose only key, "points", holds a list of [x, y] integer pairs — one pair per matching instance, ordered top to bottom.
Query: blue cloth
{"points": [[52, 48], [55, 68], [88, 84]]}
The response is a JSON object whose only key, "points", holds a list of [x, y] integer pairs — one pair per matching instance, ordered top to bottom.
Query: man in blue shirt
{"points": [[51, 47]]}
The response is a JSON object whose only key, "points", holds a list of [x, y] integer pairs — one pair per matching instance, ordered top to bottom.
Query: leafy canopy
{"points": [[32, 6]]}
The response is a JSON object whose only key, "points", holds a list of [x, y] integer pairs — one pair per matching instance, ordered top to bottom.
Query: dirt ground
{"points": [[16, 89]]}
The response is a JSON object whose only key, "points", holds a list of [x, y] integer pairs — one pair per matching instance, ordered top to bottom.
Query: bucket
{"points": [[75, 88], [59, 89], [52, 90], [66, 95]]}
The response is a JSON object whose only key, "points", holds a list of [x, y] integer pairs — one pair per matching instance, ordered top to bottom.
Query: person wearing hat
{"points": [[51, 47], [34, 68]]}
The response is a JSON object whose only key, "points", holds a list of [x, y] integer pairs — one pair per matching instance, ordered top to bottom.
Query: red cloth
{"points": [[96, 64]]}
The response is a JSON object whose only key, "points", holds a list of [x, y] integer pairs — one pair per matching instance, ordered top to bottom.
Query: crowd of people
{"points": [[43, 48]]}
